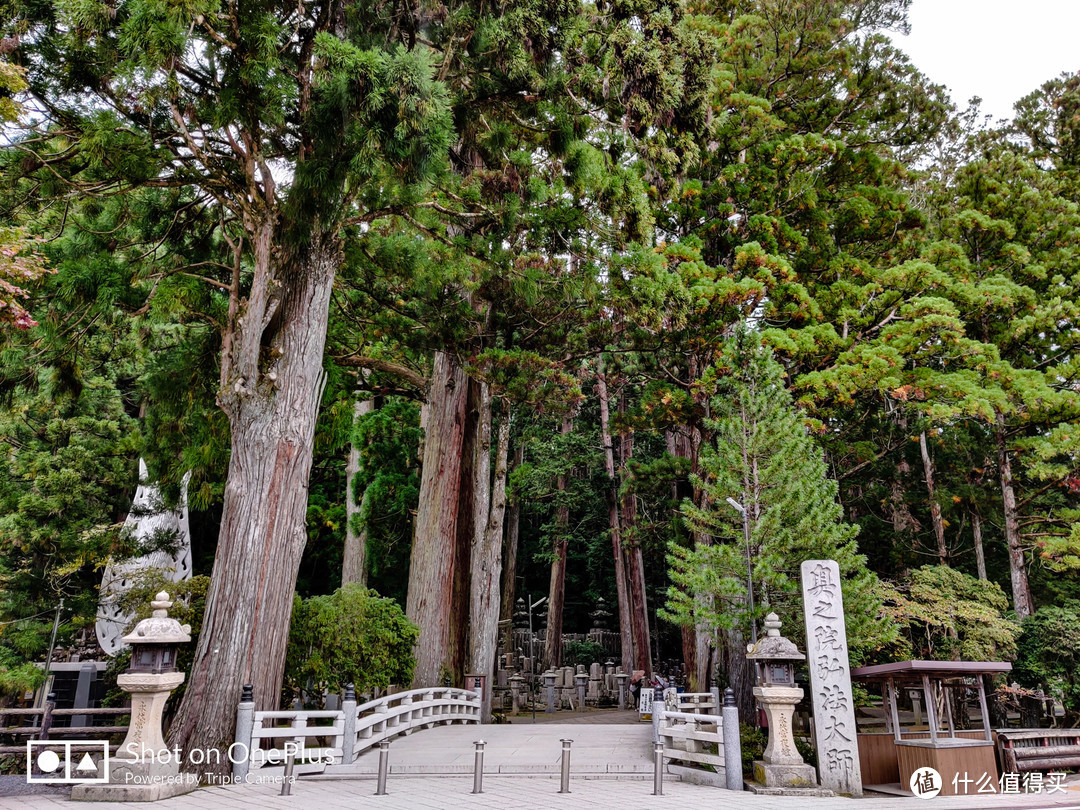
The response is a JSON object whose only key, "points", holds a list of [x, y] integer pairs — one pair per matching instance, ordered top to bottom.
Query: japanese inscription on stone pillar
{"points": [[830, 678]]}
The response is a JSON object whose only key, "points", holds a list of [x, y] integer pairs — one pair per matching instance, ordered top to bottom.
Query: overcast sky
{"points": [[997, 50]]}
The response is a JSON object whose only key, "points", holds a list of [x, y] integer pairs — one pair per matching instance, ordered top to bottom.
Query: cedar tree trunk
{"points": [[272, 381], [935, 507], [976, 530], [434, 551], [510, 554], [353, 561], [486, 567], [1017, 567], [635, 571], [625, 632], [553, 645]]}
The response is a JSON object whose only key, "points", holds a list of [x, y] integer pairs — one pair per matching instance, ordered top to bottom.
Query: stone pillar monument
{"points": [[830, 678], [144, 769], [781, 770]]}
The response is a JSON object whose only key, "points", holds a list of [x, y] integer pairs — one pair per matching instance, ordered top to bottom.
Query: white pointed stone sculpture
{"points": [[148, 517]]}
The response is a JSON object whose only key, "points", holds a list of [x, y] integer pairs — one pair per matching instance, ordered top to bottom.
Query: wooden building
{"points": [[957, 754]]}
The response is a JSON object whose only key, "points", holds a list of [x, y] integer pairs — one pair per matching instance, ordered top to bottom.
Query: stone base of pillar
{"points": [[800, 776], [138, 781], [160, 786], [760, 789]]}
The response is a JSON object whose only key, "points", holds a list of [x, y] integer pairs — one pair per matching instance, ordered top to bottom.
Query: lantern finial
{"points": [[161, 605], [772, 625]]}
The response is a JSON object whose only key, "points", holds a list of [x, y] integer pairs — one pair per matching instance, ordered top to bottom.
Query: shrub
{"points": [[351, 636], [582, 652], [1049, 653]]}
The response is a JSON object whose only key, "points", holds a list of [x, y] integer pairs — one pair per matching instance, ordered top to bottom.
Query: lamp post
{"points": [[749, 570], [532, 649]]}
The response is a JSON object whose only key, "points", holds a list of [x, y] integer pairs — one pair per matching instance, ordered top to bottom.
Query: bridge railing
{"points": [[329, 738]]}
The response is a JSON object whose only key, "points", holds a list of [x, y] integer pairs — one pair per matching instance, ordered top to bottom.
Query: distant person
{"points": [[636, 682]]}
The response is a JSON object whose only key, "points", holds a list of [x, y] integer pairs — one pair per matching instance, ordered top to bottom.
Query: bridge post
{"points": [[658, 709], [245, 725], [348, 725], [732, 744]]}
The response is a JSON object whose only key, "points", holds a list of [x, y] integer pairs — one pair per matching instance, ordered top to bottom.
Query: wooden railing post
{"points": [[47, 716]]}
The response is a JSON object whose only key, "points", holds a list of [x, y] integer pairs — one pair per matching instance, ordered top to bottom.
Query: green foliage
{"points": [[765, 459], [66, 480], [388, 486], [946, 615], [351, 636], [582, 652], [1049, 653], [17, 677], [752, 741]]}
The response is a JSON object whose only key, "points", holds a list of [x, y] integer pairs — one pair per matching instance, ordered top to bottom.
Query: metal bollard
{"points": [[384, 763], [478, 767], [658, 769], [286, 783], [565, 783]]}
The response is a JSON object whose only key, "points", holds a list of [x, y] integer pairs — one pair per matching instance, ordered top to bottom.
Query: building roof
{"points": [[935, 669]]}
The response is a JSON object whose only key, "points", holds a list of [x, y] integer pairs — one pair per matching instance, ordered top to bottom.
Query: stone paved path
{"points": [[597, 750], [610, 770], [504, 793]]}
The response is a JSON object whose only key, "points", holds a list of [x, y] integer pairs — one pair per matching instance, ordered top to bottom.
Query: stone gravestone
{"points": [[830, 678]]}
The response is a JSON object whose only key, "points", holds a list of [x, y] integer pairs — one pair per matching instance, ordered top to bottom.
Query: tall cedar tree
{"points": [[275, 117], [765, 459]]}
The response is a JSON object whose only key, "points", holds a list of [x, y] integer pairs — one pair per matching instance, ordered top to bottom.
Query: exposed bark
{"points": [[272, 382], [472, 488], [935, 507], [976, 530], [434, 551], [510, 555], [353, 560], [487, 565], [635, 568], [1021, 592], [625, 632], [688, 639], [698, 642], [553, 645], [739, 673]]}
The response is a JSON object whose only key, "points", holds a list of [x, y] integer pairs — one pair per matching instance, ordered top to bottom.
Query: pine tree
{"points": [[766, 460]]}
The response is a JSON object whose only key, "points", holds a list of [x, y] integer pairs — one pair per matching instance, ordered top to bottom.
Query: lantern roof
{"points": [[158, 628], [773, 646]]}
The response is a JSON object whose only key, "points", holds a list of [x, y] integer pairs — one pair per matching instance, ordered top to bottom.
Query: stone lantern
{"points": [[782, 766], [144, 768]]}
